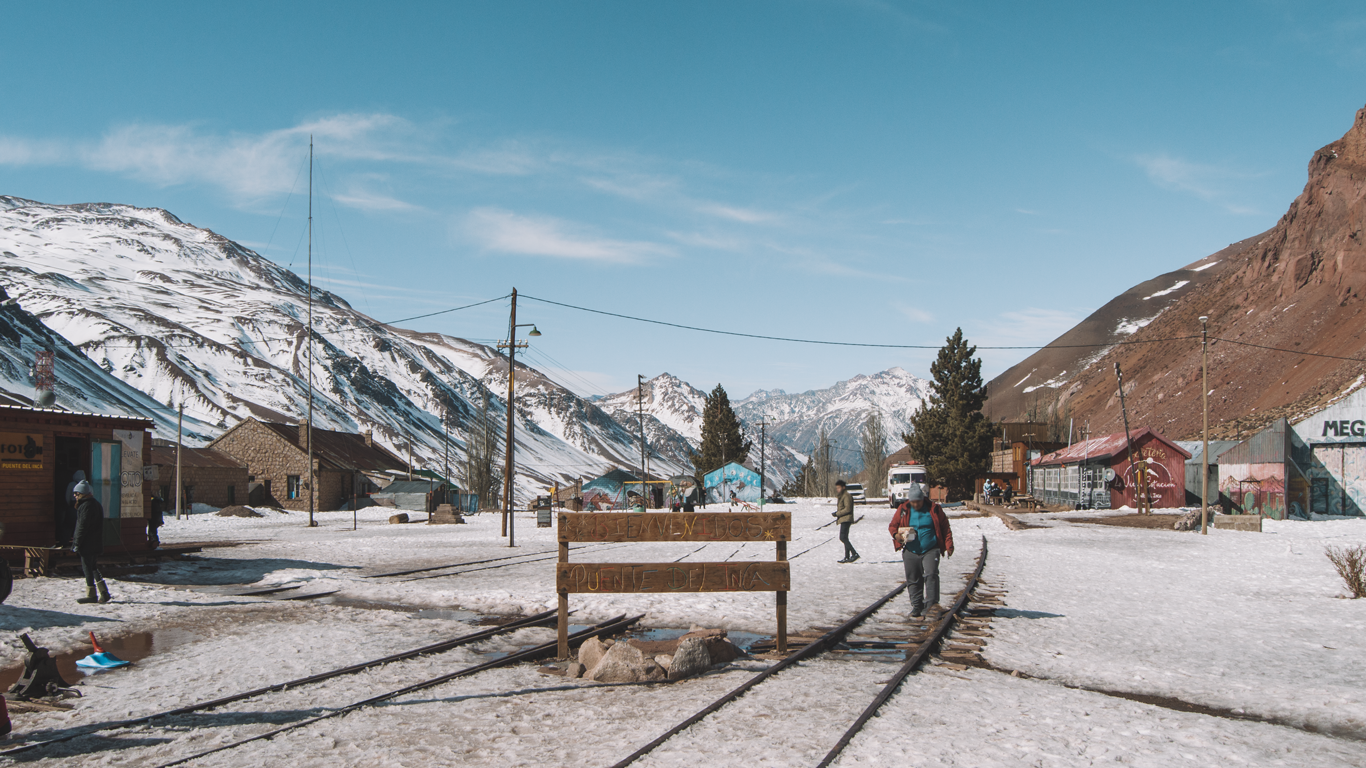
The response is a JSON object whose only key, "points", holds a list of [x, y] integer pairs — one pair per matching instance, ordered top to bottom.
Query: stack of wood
{"points": [[446, 514]]}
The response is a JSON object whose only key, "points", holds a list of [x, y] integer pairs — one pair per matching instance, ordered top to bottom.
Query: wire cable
{"points": [[835, 343]]}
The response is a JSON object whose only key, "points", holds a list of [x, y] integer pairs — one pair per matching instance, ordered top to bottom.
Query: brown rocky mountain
{"points": [[1274, 301]]}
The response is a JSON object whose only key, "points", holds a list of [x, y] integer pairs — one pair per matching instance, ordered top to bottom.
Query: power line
{"points": [[834, 343], [1291, 351]]}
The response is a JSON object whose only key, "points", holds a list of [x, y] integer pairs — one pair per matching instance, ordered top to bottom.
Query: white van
{"points": [[899, 479]]}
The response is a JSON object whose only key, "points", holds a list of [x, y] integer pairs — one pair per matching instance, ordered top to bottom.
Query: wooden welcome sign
{"points": [[626, 578]]}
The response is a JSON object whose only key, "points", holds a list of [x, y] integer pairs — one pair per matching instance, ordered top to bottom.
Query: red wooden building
{"points": [[1098, 473]]}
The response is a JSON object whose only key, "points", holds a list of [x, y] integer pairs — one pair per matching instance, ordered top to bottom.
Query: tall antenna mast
{"points": [[308, 427]]}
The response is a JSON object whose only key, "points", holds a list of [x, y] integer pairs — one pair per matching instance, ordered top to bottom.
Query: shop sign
{"points": [[21, 451]]}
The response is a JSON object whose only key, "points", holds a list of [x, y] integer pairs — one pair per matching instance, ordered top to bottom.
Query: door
{"points": [[106, 469], [1318, 496]]}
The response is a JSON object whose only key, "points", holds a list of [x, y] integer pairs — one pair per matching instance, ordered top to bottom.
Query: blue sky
{"points": [[874, 172]]}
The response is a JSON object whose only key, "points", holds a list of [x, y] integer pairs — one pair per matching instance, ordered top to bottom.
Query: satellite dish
{"points": [[44, 398], [1109, 473]]}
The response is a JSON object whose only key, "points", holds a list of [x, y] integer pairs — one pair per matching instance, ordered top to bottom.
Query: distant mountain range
{"points": [[146, 312]]}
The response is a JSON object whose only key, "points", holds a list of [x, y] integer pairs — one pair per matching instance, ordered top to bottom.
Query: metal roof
{"points": [[64, 412], [1103, 447], [1197, 447], [343, 450], [194, 457], [408, 486]]}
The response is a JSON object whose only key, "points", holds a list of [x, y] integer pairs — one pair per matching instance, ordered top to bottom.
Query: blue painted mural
{"points": [[736, 479]]}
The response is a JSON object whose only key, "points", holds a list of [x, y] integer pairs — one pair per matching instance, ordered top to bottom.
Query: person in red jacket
{"points": [[920, 530]]}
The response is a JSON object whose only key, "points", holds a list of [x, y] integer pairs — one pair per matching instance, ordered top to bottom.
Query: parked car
{"points": [[856, 490]]}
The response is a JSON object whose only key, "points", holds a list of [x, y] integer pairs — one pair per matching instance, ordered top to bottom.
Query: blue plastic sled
{"points": [[100, 659]]}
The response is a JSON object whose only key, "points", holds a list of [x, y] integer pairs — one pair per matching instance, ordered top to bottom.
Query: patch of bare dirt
{"points": [[1157, 522]]}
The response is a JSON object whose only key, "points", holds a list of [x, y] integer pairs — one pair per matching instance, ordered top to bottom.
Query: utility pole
{"points": [[511, 346], [1204, 407], [640, 417], [308, 427], [179, 435], [763, 439], [1128, 442]]}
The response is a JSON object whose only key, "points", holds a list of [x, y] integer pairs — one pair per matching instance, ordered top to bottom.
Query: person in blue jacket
{"points": [[920, 531]]}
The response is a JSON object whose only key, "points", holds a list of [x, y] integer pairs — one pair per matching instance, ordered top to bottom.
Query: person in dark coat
{"points": [[66, 514], [156, 517], [920, 530], [89, 541]]}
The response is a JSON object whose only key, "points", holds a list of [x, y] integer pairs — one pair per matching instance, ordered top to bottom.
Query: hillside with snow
{"points": [[146, 312], [182, 314]]}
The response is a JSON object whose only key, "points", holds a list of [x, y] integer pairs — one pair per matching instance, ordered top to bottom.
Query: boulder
{"points": [[238, 511], [401, 517], [1188, 522], [720, 649], [591, 652], [692, 657], [664, 661], [625, 663], [574, 669]]}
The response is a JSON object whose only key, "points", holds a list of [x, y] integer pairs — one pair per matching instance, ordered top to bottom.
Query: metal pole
{"points": [[1204, 400], [640, 416], [179, 421], [308, 427], [763, 437], [1128, 442], [507, 470]]}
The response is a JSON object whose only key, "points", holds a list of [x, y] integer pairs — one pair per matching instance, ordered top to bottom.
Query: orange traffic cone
{"points": [[95, 643]]}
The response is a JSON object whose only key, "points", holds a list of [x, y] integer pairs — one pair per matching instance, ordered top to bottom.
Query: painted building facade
{"points": [[1333, 458], [1099, 473], [730, 479]]}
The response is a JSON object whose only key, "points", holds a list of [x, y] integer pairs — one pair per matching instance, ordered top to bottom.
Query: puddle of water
{"points": [[454, 614], [134, 648]]}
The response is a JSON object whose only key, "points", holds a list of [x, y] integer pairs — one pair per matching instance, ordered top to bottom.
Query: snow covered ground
{"points": [[1242, 623]]}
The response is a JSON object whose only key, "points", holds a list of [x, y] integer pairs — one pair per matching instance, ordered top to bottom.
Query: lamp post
{"points": [[511, 346], [1204, 399]]}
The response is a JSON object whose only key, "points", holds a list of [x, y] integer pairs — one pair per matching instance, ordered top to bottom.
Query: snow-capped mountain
{"points": [[183, 314], [674, 407], [796, 420]]}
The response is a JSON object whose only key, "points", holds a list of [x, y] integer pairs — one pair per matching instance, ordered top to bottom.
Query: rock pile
{"points": [[631, 661]]}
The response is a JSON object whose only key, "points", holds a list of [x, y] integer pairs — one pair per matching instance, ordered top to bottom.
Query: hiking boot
{"points": [[851, 558], [844, 560], [103, 590], [90, 596], [917, 612]]}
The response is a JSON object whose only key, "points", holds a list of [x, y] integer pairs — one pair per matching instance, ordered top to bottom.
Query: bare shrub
{"points": [[1350, 563]]}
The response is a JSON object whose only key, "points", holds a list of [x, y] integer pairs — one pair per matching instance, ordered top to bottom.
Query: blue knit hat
{"points": [[83, 487]]}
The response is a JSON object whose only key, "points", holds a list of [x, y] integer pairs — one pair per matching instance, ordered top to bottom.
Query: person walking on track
{"points": [[844, 515], [920, 530], [88, 541]]}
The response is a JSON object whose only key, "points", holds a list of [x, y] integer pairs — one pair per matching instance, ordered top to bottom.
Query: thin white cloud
{"points": [[1207, 182], [372, 201], [743, 215], [502, 231], [914, 314]]}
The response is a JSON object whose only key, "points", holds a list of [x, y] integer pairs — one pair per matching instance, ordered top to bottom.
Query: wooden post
{"points": [[782, 604], [563, 624]]}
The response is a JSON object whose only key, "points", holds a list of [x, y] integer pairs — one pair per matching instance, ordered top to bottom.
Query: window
{"points": [[292, 487], [166, 493], [232, 495]]}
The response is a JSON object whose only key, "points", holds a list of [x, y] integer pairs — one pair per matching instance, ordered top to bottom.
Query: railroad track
{"points": [[613, 626], [933, 635]]}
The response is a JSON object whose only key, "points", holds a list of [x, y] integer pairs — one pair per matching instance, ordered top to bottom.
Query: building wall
{"points": [[1331, 451], [270, 457], [1167, 484], [215, 486], [31, 488]]}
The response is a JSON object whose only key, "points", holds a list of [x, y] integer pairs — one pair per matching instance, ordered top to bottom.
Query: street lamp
{"points": [[511, 345], [1204, 399]]}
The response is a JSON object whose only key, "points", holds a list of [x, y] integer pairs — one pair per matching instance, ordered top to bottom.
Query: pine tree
{"points": [[950, 435], [722, 439]]}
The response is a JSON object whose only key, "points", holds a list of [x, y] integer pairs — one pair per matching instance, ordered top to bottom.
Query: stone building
{"points": [[276, 456], [207, 476]]}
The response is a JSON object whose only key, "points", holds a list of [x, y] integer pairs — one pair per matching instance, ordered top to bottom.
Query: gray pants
{"points": [[922, 578]]}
